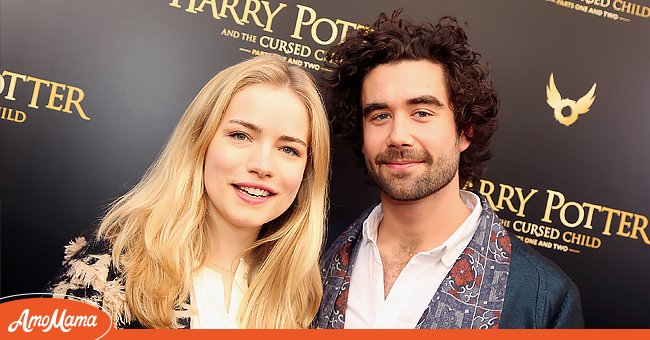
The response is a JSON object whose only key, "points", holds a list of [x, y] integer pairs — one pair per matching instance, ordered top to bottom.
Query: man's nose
{"points": [[400, 134]]}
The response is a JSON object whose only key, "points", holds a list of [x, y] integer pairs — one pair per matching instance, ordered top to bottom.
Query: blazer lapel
{"points": [[336, 271], [472, 293]]}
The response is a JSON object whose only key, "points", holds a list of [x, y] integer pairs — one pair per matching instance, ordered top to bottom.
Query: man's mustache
{"points": [[392, 155]]}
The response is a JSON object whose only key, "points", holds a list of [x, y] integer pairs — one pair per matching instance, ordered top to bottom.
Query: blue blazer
{"points": [[510, 286]]}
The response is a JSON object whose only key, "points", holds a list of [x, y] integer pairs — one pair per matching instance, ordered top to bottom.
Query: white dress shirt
{"points": [[417, 282], [208, 302]]}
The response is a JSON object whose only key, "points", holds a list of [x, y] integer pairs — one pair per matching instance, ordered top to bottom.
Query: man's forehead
{"points": [[404, 81]]}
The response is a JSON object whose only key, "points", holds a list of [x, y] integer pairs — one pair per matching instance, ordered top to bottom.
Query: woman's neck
{"points": [[228, 243]]}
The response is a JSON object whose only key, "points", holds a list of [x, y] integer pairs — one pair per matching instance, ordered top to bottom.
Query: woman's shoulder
{"points": [[87, 244], [86, 265], [88, 273]]}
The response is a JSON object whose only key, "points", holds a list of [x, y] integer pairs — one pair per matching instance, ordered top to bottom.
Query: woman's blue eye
{"points": [[239, 136], [290, 151]]}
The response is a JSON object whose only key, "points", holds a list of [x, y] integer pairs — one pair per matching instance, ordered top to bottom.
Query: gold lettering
{"points": [[213, 4], [190, 6], [226, 6], [625, 6], [631, 8], [253, 12], [270, 15], [300, 22], [346, 26], [314, 31], [319, 54], [12, 83], [37, 88], [55, 95], [77, 102], [22, 114], [18, 116], [487, 193], [506, 197], [523, 200], [549, 204], [590, 213], [581, 214], [608, 223], [624, 223], [640, 223], [533, 229], [596, 243]]}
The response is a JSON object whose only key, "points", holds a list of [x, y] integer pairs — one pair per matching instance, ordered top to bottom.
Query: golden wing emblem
{"points": [[553, 96], [555, 101], [584, 104]]}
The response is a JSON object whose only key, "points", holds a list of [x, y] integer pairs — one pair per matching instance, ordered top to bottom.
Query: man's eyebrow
{"points": [[426, 99], [374, 106], [246, 124], [293, 140]]}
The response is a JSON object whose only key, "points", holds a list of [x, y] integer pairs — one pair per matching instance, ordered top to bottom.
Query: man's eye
{"points": [[422, 114], [381, 116], [290, 151]]}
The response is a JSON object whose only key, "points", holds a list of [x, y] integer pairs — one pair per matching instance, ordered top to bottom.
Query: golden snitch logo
{"points": [[554, 100]]}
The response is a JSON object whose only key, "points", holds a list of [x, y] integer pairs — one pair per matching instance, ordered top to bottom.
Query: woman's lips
{"points": [[252, 193]]}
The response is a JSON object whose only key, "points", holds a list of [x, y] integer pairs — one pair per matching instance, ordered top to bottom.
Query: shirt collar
{"points": [[371, 224], [458, 241], [452, 247]]}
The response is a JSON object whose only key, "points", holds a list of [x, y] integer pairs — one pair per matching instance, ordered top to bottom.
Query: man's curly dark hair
{"points": [[392, 39]]}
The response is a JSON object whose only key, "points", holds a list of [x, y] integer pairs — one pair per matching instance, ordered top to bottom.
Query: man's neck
{"points": [[425, 223]]}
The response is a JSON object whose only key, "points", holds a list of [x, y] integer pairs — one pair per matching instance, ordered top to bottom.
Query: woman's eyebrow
{"points": [[246, 124], [293, 139]]}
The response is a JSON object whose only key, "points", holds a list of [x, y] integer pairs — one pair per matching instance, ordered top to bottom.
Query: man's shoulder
{"points": [[352, 228], [348, 236], [527, 263], [539, 294]]}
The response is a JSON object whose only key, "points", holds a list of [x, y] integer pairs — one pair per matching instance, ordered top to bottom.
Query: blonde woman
{"points": [[225, 228]]}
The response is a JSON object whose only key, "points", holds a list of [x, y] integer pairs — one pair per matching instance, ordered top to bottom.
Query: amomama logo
{"points": [[36, 317]]}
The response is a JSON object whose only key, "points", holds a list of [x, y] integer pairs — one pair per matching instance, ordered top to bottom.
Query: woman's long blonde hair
{"points": [[158, 229]]}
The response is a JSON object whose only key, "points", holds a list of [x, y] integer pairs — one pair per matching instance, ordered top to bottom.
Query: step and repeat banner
{"points": [[90, 90]]}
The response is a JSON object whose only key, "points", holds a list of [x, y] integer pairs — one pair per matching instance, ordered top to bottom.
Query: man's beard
{"points": [[407, 185]]}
